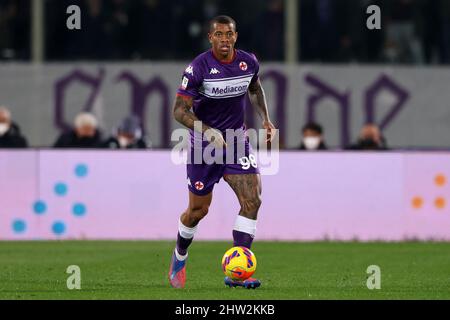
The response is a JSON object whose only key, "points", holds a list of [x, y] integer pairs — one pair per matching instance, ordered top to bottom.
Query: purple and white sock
{"points": [[243, 232], [184, 239]]}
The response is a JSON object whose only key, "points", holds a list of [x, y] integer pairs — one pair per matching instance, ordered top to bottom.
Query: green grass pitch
{"points": [[287, 270]]}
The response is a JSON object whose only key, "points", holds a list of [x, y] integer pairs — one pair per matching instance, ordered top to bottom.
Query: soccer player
{"points": [[213, 90]]}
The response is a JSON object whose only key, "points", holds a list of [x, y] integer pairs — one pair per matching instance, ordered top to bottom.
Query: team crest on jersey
{"points": [[243, 66], [189, 70], [214, 71], [184, 83], [199, 185]]}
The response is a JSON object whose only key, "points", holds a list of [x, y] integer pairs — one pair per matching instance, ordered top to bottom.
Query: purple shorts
{"points": [[202, 177]]}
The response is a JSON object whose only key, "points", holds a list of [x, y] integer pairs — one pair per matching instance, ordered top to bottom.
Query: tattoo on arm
{"points": [[258, 99], [183, 114]]}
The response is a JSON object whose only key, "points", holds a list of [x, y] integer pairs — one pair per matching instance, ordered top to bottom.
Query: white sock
{"points": [[246, 225], [186, 232], [179, 256]]}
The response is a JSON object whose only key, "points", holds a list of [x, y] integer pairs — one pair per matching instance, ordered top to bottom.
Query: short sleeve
{"points": [[256, 75], [191, 82]]}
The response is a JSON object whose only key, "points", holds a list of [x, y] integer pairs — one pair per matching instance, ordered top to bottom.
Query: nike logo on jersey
{"points": [[214, 71]]}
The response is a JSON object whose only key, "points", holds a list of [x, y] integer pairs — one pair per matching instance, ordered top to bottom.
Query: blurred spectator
{"points": [[444, 10], [147, 19], [15, 29], [119, 29], [123, 30], [330, 31], [436, 31], [402, 32], [432, 32], [270, 38], [319, 38], [95, 39], [373, 39], [357, 43], [84, 135], [10, 136], [127, 136], [312, 137], [370, 138]]}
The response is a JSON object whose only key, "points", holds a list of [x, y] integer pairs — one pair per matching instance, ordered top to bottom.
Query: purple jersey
{"points": [[219, 89], [219, 92]]}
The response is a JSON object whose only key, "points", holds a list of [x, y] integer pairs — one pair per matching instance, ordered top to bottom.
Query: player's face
{"points": [[223, 38]]}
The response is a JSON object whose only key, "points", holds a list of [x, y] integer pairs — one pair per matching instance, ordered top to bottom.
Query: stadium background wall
{"points": [[341, 98], [49, 194]]}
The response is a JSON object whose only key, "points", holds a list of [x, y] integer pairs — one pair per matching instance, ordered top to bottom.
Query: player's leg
{"points": [[247, 188], [187, 226]]}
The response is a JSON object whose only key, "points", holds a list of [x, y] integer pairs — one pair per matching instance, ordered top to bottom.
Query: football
{"points": [[239, 263]]}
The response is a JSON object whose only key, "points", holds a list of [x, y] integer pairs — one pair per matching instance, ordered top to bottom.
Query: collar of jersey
{"points": [[232, 60]]}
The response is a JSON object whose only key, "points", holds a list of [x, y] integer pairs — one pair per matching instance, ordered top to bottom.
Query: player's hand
{"points": [[271, 130], [215, 137]]}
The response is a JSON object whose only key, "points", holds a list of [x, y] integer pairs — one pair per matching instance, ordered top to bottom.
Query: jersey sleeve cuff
{"points": [[185, 94]]}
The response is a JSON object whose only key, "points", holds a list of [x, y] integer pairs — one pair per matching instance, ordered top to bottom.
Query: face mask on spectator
{"points": [[4, 127], [123, 142], [311, 143], [368, 143]]}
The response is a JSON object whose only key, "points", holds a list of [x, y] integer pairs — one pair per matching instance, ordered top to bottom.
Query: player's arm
{"points": [[258, 100], [182, 112]]}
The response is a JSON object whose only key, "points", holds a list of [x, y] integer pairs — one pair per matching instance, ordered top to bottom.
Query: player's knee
{"points": [[250, 206], [197, 213]]}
